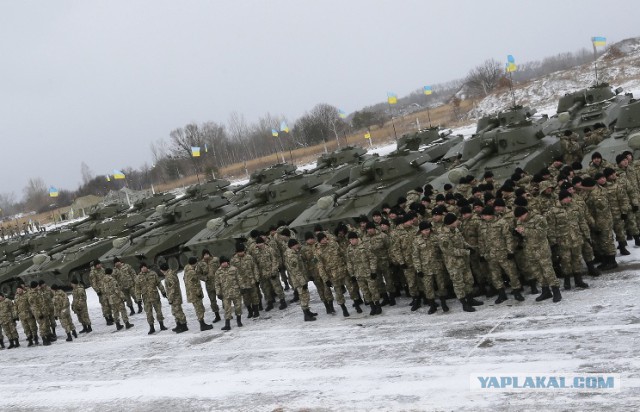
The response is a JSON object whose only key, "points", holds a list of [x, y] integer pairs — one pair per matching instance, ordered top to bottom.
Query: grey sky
{"points": [[97, 81]]}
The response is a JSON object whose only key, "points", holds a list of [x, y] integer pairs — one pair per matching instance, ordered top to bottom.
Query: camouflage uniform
{"points": [[571, 148], [579, 203], [470, 228], [567, 229], [601, 231], [379, 244], [496, 245], [401, 249], [537, 250], [308, 254], [427, 259], [456, 259], [362, 264], [267, 265], [332, 268], [206, 270], [125, 275], [297, 275], [248, 276], [95, 277], [146, 287], [228, 288], [111, 289], [194, 290], [47, 294], [174, 295], [36, 301], [21, 302], [79, 305], [61, 310], [8, 318]]}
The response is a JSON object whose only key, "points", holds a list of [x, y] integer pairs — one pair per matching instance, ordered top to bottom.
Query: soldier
{"points": [[571, 147], [597, 164], [627, 180], [618, 204], [602, 225], [532, 229], [378, 242], [497, 248], [400, 253], [308, 254], [456, 259], [427, 260], [267, 265], [362, 265], [206, 269], [332, 270], [297, 274], [125, 275], [95, 277], [249, 279], [228, 288], [146, 290], [194, 292], [47, 294], [174, 296], [116, 298], [36, 302], [79, 305], [62, 312], [8, 318], [27, 320]]}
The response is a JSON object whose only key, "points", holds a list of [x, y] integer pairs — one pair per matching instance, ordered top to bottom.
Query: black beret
{"points": [[596, 155], [608, 171], [588, 182], [563, 194], [499, 202], [465, 209], [519, 211], [450, 218], [424, 225], [308, 235], [352, 235], [321, 236], [292, 242], [240, 247], [224, 259], [192, 261], [108, 271]]}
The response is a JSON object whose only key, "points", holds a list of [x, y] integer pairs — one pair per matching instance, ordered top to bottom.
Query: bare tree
{"points": [[484, 78], [86, 173], [35, 194]]}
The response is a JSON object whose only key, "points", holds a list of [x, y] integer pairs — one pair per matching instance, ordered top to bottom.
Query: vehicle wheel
{"points": [[184, 259], [173, 263], [8, 288]]}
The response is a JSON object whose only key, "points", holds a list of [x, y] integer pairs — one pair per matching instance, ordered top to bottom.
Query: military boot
{"points": [[636, 238], [622, 246], [597, 258], [608, 263], [592, 269], [567, 282], [579, 282], [286, 285], [534, 288], [546, 294], [517, 295], [296, 296], [502, 296], [557, 297], [385, 299], [392, 299], [474, 302], [443, 303], [283, 304], [415, 304], [260, 305], [269, 306], [357, 306], [466, 306], [139, 307], [433, 307], [327, 308], [378, 308], [131, 311], [250, 311], [256, 311], [373, 311], [345, 312], [312, 313], [308, 317], [217, 318], [109, 320], [239, 320], [128, 325], [227, 325], [119, 326], [204, 326], [162, 327], [177, 327], [184, 328], [84, 329], [88, 329], [152, 330], [74, 333], [53, 338], [69, 338], [30, 339], [35, 340], [45, 342], [16, 343], [10, 344]]}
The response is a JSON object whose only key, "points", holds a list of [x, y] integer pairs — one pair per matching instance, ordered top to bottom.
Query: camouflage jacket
{"points": [[618, 200], [598, 207], [565, 225], [534, 236], [496, 239], [401, 240], [379, 245], [455, 251], [308, 254], [427, 257], [360, 260], [266, 261], [331, 261], [295, 268], [247, 272], [125, 275], [95, 276], [192, 284], [227, 284], [172, 285], [147, 286], [111, 289], [79, 298], [36, 301], [60, 303], [22, 306], [7, 311]]}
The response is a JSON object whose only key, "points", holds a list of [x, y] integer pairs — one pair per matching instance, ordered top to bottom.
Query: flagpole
{"points": [[595, 60], [513, 96], [395, 135]]}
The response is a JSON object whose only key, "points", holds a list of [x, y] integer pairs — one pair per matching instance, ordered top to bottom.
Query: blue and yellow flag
{"points": [[599, 41], [511, 64], [427, 90], [392, 98], [342, 114], [284, 127], [274, 133], [367, 135], [195, 151], [118, 174], [108, 178], [53, 192]]}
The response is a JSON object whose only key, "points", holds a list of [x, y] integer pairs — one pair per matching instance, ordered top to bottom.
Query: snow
{"points": [[401, 360]]}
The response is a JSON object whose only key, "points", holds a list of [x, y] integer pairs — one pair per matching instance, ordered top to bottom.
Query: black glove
{"points": [[635, 208], [623, 216], [597, 231], [517, 234], [554, 249], [472, 251], [511, 256], [482, 259], [392, 265], [404, 266], [281, 268], [420, 274], [373, 275], [274, 276], [310, 278], [354, 279], [328, 283], [257, 284], [305, 287], [99, 293], [164, 295], [200, 296], [220, 297], [139, 302], [170, 303], [41, 317], [56, 318], [15, 319]]}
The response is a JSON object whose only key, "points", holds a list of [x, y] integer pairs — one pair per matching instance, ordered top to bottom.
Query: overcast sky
{"points": [[98, 81]]}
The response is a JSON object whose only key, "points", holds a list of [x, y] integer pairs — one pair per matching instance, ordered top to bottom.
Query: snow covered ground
{"points": [[401, 360]]}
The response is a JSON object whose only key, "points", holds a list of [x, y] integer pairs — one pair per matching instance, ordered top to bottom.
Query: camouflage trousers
{"points": [[631, 224], [619, 229], [603, 244], [587, 251], [570, 258], [521, 264], [497, 265], [542, 267], [479, 270], [461, 276], [385, 277], [429, 280], [412, 283], [339, 286], [272, 288], [369, 288], [211, 292], [324, 292], [303, 293], [250, 296], [129, 297], [236, 301], [104, 304], [149, 307], [198, 307], [118, 309], [178, 313], [83, 315], [65, 321], [29, 325], [44, 326], [10, 330]]}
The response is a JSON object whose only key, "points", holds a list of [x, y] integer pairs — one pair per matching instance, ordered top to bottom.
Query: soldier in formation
{"points": [[147, 286]]}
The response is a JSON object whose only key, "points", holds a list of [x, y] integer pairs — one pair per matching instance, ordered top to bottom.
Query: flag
{"points": [[599, 41], [511, 64], [427, 90], [392, 98], [342, 114], [284, 127], [274, 133], [367, 135], [206, 149], [195, 151], [118, 174], [108, 178], [53, 192]]}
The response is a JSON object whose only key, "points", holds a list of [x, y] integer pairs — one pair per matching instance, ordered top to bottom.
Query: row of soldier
{"points": [[9, 231]]}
